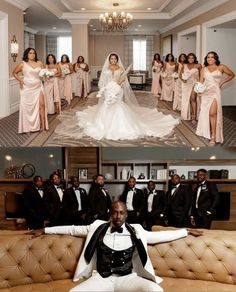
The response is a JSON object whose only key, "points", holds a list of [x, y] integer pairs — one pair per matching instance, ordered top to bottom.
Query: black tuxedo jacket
{"points": [[208, 198], [138, 200], [158, 203], [99, 204], [179, 204], [70, 205], [54, 206], [34, 208]]}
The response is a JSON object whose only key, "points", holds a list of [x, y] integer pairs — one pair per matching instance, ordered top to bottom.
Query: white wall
{"points": [[223, 42], [187, 44]]}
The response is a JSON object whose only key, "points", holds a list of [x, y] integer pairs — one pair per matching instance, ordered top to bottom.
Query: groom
{"points": [[116, 253]]}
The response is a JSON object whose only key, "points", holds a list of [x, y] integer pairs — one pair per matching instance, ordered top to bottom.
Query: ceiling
{"points": [[150, 16]]}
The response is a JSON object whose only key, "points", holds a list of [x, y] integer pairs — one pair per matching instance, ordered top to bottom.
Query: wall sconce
{"points": [[14, 48]]}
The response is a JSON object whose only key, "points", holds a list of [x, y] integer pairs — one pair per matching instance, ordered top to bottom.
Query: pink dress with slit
{"points": [[65, 83], [156, 88], [187, 88], [178, 91], [52, 92], [212, 92], [29, 117]]}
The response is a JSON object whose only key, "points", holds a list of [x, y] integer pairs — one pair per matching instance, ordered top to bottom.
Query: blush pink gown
{"points": [[81, 82], [168, 83], [65, 84], [156, 88], [187, 88], [178, 91], [52, 92], [212, 92], [29, 117]]}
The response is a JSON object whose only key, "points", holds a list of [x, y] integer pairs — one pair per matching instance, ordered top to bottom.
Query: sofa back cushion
{"points": [[211, 257], [38, 260]]}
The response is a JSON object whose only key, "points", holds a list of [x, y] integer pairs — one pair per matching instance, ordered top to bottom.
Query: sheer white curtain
{"points": [[64, 46], [139, 54]]}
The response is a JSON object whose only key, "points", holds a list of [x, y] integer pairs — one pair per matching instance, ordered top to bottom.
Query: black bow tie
{"points": [[58, 187], [39, 189], [116, 229]]}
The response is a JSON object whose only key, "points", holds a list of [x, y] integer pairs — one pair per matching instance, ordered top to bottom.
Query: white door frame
{"points": [[216, 21], [197, 30], [4, 57]]}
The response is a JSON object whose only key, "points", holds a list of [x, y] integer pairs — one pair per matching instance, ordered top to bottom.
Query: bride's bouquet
{"points": [[45, 73], [186, 76], [199, 87], [111, 92]]}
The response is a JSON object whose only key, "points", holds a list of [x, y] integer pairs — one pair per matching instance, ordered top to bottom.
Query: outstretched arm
{"points": [[166, 236]]}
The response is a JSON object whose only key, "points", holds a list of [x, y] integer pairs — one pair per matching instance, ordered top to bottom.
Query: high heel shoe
{"points": [[194, 122], [212, 141]]}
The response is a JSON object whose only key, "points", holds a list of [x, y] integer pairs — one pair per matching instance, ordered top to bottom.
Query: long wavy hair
{"points": [[26, 53], [194, 56], [216, 57], [67, 58], [167, 58], [185, 58], [54, 59], [78, 61]]}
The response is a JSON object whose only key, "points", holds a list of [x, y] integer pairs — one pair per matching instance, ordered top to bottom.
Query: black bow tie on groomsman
{"points": [[116, 229]]}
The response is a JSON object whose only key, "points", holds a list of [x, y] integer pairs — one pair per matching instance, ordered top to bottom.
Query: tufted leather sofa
{"points": [[47, 263]]}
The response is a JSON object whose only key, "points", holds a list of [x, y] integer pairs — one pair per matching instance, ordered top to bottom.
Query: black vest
{"points": [[110, 261]]}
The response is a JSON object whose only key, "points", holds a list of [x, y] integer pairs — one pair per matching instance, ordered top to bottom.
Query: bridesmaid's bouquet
{"points": [[66, 71], [45, 73], [163, 74], [175, 75], [186, 76], [199, 87]]}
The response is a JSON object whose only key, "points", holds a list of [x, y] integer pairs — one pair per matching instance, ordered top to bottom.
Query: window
{"points": [[64, 46], [139, 54]]}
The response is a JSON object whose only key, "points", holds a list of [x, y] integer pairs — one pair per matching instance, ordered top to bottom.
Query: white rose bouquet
{"points": [[66, 71], [45, 73], [175, 75], [186, 76], [199, 87], [111, 92]]}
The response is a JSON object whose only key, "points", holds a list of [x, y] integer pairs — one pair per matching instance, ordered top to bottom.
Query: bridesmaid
{"points": [[157, 65], [82, 79], [65, 82], [168, 82], [178, 83], [51, 86], [189, 96], [33, 112], [210, 122]]}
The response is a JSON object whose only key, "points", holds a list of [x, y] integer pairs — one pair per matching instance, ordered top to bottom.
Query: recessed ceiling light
{"points": [[83, 8], [149, 8], [24, 12], [91, 25], [139, 25], [54, 27], [94, 29], [136, 29], [51, 155], [8, 157], [213, 157]]}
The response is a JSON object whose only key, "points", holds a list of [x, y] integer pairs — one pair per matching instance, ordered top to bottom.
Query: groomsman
{"points": [[53, 199], [99, 200], [134, 200], [205, 200], [75, 203], [33, 204], [178, 204], [154, 205]]}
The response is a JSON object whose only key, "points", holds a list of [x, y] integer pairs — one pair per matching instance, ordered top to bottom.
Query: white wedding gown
{"points": [[113, 119]]}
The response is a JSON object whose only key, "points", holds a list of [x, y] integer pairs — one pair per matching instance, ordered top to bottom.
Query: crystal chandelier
{"points": [[115, 21]]}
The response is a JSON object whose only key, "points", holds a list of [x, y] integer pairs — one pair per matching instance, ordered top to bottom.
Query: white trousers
{"points": [[129, 283]]}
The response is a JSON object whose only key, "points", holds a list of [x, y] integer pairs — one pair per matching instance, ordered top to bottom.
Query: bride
{"points": [[118, 116]]}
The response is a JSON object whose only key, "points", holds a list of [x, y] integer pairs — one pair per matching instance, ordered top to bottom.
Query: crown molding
{"points": [[21, 4], [164, 4], [183, 5], [50, 7], [203, 9], [79, 21], [30, 30], [124, 33]]}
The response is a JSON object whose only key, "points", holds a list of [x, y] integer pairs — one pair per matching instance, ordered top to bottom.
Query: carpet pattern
{"points": [[182, 136]]}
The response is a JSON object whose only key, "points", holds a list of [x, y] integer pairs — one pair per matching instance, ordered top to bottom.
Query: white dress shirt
{"points": [[174, 189], [40, 192], [60, 192], [198, 192], [78, 197], [129, 200], [150, 200], [118, 241]]}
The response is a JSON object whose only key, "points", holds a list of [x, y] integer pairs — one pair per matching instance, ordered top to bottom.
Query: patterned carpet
{"points": [[182, 136]]}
